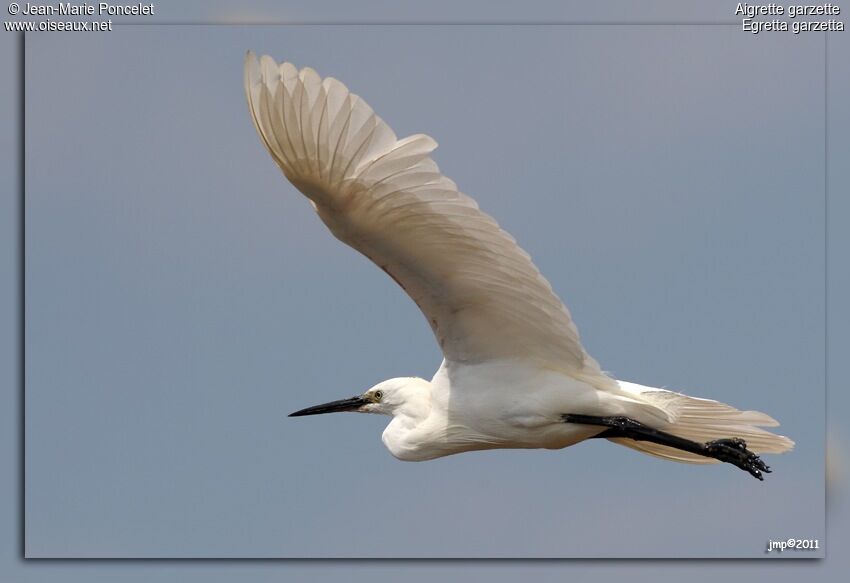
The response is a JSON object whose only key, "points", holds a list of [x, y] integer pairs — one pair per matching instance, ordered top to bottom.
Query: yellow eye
{"points": [[378, 395]]}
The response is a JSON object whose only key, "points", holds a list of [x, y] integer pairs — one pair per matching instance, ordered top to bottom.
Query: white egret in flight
{"points": [[514, 374]]}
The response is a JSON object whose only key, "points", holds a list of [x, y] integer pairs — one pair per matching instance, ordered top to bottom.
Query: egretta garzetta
{"points": [[514, 374]]}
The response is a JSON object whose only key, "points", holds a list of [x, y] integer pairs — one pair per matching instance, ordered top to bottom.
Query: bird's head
{"points": [[408, 394]]}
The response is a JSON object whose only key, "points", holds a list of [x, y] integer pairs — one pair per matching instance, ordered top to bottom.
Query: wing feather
{"points": [[480, 292]]}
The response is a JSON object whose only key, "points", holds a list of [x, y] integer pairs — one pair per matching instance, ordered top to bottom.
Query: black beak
{"points": [[351, 404]]}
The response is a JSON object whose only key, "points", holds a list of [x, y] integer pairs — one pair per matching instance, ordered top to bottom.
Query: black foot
{"points": [[731, 451], [734, 451]]}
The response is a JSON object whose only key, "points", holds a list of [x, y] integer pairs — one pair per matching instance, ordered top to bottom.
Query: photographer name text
{"points": [[86, 9]]}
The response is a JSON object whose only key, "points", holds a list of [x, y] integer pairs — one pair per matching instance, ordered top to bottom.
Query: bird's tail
{"points": [[704, 420]]}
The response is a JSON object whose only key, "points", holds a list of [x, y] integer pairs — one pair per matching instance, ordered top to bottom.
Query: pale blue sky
{"points": [[220, 285], [181, 298]]}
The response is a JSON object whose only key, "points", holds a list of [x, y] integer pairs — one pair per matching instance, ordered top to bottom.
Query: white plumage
{"points": [[513, 361]]}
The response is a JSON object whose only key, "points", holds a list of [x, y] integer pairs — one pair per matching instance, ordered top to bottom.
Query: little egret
{"points": [[514, 374]]}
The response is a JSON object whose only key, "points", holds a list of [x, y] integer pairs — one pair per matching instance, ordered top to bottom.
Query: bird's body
{"points": [[515, 374], [491, 405]]}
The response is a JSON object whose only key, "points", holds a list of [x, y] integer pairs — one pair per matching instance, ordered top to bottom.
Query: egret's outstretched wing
{"points": [[480, 292]]}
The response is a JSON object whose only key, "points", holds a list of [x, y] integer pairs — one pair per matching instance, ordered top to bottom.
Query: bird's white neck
{"points": [[409, 402]]}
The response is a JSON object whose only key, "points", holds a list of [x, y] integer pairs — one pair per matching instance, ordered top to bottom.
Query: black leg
{"points": [[732, 451]]}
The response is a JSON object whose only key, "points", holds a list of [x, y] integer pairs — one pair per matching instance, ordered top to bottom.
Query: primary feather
{"points": [[480, 292]]}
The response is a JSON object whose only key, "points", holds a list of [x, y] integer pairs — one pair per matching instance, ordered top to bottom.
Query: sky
{"points": [[173, 321]]}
